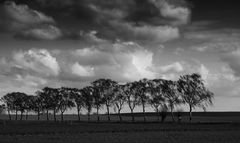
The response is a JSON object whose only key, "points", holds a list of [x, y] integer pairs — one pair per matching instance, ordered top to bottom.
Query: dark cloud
{"points": [[225, 13], [18, 17], [132, 20], [27, 23], [43, 32]]}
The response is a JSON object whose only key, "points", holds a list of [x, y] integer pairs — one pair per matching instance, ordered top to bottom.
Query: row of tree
{"points": [[158, 93]]}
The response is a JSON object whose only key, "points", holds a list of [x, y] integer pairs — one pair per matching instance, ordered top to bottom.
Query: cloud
{"points": [[114, 13], [181, 15], [21, 16], [134, 20], [140, 21], [27, 23], [45, 32], [145, 33], [89, 37], [211, 40], [219, 47], [93, 56], [232, 58], [37, 60], [142, 60], [124, 61], [177, 67], [29, 70], [174, 70], [82, 71], [204, 72], [30, 81]]}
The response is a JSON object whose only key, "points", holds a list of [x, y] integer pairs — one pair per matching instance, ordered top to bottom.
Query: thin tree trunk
{"points": [[78, 111], [108, 112], [190, 113], [54, 114], [172, 114], [9, 115], [16, 115], [21, 115], [26, 115], [38, 115], [119, 115], [132, 115], [158, 115], [163, 115], [47, 116], [62, 116], [88, 116], [144, 116], [98, 118]]}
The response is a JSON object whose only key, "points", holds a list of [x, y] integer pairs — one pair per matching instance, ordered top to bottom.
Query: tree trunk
{"points": [[78, 111], [108, 113], [190, 113], [54, 114], [163, 114], [172, 114], [9, 115], [16, 115], [21, 115], [26, 115], [38, 115], [119, 115], [132, 115], [158, 115], [47, 116], [62, 116], [88, 116], [144, 116], [98, 118]]}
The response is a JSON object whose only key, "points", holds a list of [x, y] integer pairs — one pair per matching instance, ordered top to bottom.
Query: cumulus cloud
{"points": [[179, 14], [21, 16], [148, 20], [141, 21], [27, 23], [45, 32], [145, 33], [88, 37], [93, 56], [232, 58], [37, 60], [142, 60], [124, 61], [177, 67], [29, 70], [174, 70], [82, 71], [204, 72], [30, 81]]}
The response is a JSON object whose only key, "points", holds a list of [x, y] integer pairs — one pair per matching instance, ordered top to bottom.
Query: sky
{"points": [[72, 43]]}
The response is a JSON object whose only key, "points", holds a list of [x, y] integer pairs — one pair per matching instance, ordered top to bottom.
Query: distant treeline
{"points": [[162, 95]]}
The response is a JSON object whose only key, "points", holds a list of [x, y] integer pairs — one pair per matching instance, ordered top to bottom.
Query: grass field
{"points": [[206, 128]]}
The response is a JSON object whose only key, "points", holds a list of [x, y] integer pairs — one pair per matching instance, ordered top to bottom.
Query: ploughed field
{"points": [[204, 128]]}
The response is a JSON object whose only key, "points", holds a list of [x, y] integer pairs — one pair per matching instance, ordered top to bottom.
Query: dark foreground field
{"points": [[200, 131], [42, 132]]}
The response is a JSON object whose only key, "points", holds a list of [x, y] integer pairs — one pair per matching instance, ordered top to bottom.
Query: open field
{"points": [[151, 117], [217, 128], [41, 132]]}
